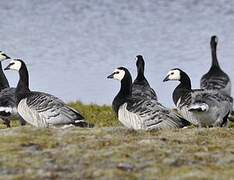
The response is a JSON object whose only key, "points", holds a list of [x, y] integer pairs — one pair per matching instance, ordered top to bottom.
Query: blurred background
{"points": [[71, 46]]}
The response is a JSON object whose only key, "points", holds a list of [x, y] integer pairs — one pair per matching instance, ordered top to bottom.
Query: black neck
{"points": [[215, 62], [140, 74], [140, 79], [3, 80], [23, 84], [126, 88], [183, 88], [124, 93]]}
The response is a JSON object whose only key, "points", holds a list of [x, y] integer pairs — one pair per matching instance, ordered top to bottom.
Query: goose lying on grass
{"points": [[205, 108], [41, 109], [140, 113]]}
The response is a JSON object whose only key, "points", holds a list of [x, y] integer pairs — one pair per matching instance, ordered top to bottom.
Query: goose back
{"points": [[216, 81], [143, 90], [204, 107], [44, 110], [148, 115]]}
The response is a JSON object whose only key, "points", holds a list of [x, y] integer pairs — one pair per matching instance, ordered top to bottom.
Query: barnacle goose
{"points": [[215, 78], [140, 86], [7, 97], [205, 108], [41, 109], [140, 113]]}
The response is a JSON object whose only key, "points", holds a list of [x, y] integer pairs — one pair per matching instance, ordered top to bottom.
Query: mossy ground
{"points": [[115, 152]]}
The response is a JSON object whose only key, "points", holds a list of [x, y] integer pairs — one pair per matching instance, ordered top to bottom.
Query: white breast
{"points": [[30, 115], [129, 119]]}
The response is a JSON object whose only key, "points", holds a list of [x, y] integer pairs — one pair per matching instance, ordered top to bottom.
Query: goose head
{"points": [[213, 41], [3, 56], [140, 63], [14, 64], [119, 74], [123, 75], [173, 75], [179, 75]]}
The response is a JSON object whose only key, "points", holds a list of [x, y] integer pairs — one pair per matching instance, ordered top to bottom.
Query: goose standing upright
{"points": [[215, 78], [140, 86], [7, 97], [205, 108], [41, 109], [140, 113]]}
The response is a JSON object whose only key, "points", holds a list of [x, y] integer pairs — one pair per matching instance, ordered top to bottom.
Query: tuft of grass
{"points": [[101, 116], [14, 123]]}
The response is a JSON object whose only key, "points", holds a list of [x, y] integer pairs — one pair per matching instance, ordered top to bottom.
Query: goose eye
{"points": [[117, 72], [172, 73]]}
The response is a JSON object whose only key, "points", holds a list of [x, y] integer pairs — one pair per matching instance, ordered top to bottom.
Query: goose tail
{"points": [[5, 111], [83, 123]]}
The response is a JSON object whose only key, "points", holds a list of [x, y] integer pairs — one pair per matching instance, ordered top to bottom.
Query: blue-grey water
{"points": [[71, 46]]}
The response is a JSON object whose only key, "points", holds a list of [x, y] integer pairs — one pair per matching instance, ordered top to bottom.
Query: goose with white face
{"points": [[3, 56], [14, 65], [118, 74], [173, 75]]}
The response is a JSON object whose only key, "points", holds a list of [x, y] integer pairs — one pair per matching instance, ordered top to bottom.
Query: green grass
{"points": [[101, 116], [114, 152]]}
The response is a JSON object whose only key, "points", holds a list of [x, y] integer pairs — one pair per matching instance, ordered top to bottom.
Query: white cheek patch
{"points": [[216, 39], [136, 58], [16, 65], [120, 75], [174, 75]]}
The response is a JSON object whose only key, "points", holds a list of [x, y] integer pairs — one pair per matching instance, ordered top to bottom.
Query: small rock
{"points": [[125, 166]]}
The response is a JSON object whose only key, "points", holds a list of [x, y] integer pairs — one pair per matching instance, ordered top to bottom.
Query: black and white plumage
{"points": [[216, 78], [3, 80], [140, 86], [7, 97], [8, 108], [205, 108], [40, 109], [140, 113]]}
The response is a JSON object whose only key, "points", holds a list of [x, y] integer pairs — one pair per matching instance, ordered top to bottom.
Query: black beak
{"points": [[7, 57], [8, 67], [111, 76], [166, 78]]}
